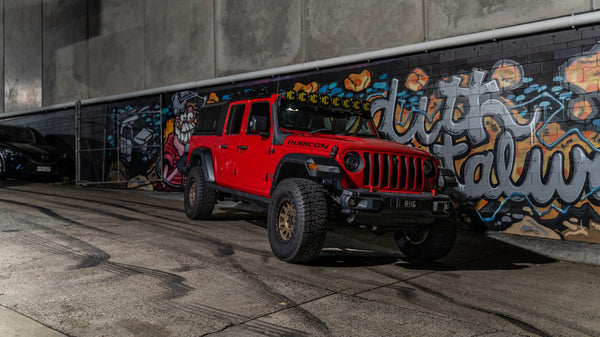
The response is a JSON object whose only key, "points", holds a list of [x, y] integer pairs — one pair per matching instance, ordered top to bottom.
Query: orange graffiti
{"points": [[584, 72], [507, 75], [416, 80], [358, 82], [464, 83], [308, 88], [213, 98], [582, 109], [432, 111], [402, 116], [169, 128]]}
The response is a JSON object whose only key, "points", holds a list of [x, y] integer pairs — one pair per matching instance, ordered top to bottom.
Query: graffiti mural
{"points": [[184, 115], [517, 122], [133, 141], [525, 149]]}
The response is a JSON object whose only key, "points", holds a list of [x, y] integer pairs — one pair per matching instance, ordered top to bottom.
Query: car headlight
{"points": [[14, 153], [352, 161], [428, 168]]}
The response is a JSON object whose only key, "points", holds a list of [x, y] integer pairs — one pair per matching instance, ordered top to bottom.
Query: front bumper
{"points": [[28, 168], [394, 210]]}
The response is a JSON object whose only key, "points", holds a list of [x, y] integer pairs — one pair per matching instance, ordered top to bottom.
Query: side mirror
{"points": [[259, 124]]}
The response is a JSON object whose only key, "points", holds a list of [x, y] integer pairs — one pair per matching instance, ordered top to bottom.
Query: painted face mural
{"points": [[185, 122], [179, 130]]}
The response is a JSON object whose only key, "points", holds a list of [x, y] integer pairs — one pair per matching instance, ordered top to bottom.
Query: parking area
{"points": [[106, 262]]}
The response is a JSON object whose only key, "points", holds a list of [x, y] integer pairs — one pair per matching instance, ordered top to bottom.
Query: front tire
{"points": [[199, 197], [297, 220], [427, 244]]}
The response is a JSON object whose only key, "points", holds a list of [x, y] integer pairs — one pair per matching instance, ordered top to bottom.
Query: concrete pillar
{"points": [[341, 27], [257, 34], [178, 41], [65, 47], [116, 53], [22, 55], [2, 56]]}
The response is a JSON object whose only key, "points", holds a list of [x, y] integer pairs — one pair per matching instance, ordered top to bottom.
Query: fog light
{"points": [[353, 202]]}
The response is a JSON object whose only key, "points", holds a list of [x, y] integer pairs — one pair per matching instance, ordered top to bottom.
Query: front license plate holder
{"points": [[44, 169], [406, 204]]}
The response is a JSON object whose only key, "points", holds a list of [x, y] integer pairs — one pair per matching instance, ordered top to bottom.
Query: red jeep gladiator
{"points": [[317, 161]]}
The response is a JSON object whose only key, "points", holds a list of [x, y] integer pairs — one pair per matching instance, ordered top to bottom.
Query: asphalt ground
{"points": [[104, 262]]}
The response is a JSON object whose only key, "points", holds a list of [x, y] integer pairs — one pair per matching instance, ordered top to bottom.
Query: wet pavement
{"points": [[104, 262]]}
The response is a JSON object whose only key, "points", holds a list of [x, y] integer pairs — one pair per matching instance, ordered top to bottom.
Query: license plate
{"points": [[44, 168], [406, 204]]}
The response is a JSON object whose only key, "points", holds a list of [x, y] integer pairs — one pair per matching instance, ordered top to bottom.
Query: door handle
{"points": [[223, 146], [242, 147]]}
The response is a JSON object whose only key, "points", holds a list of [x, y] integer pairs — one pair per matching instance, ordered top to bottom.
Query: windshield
{"points": [[316, 119], [20, 135]]}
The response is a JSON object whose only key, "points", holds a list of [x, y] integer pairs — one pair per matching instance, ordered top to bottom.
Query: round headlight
{"points": [[352, 161], [428, 168]]}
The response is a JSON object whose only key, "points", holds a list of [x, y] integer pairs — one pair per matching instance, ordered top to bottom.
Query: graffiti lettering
{"points": [[491, 174]]}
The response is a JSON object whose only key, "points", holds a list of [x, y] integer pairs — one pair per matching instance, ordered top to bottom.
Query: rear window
{"points": [[209, 119]]}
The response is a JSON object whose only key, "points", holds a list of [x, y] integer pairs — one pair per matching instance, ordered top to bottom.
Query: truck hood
{"points": [[325, 143]]}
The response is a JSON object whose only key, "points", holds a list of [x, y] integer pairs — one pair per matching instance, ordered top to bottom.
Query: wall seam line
{"points": [[425, 28], [215, 38]]}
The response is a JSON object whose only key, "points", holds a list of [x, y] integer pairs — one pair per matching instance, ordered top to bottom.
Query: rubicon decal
{"points": [[308, 144]]}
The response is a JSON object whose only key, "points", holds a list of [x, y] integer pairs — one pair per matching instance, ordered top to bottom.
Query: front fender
{"points": [[202, 157], [313, 166]]}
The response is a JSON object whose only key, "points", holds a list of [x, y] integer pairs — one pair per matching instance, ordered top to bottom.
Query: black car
{"points": [[25, 153]]}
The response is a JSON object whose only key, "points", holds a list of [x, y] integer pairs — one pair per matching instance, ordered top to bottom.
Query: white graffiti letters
{"points": [[489, 174]]}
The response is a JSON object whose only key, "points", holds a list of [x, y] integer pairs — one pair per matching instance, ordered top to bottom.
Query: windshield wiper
{"points": [[324, 131], [362, 134]]}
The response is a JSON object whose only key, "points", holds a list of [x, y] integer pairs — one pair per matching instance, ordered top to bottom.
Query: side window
{"points": [[260, 109], [209, 118], [234, 124]]}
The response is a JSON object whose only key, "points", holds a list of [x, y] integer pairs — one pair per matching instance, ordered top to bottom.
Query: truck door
{"points": [[254, 150], [227, 152]]}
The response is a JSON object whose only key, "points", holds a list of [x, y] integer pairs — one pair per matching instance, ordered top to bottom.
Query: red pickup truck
{"points": [[316, 162]]}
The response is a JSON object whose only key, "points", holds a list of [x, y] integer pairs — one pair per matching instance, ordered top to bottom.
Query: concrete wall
{"points": [[455, 17], [75, 49], [22, 54]]}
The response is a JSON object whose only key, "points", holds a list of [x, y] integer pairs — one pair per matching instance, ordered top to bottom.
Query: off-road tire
{"points": [[199, 197], [297, 220], [429, 244]]}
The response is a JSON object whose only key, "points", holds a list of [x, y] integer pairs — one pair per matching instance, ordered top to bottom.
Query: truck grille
{"points": [[393, 172]]}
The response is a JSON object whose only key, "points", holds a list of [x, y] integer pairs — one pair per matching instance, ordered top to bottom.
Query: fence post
{"points": [[78, 142]]}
